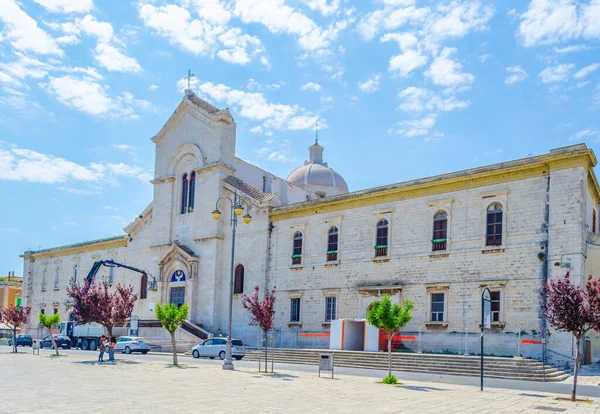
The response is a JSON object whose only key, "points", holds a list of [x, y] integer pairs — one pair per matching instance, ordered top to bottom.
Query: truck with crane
{"points": [[87, 337]]}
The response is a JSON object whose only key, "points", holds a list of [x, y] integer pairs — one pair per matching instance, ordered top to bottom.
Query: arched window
{"points": [[192, 191], [184, 194], [440, 231], [493, 232], [381, 240], [332, 244], [297, 252], [75, 272], [238, 284], [144, 286]]}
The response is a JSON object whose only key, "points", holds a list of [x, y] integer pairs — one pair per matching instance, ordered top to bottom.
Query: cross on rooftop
{"points": [[189, 77]]}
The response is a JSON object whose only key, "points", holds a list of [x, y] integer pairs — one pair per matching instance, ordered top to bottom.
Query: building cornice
{"points": [[538, 166], [91, 246]]}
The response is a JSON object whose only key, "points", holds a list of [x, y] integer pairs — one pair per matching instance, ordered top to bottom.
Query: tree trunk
{"points": [[109, 332], [390, 335], [15, 339], [53, 342], [174, 347], [266, 351], [576, 370]]}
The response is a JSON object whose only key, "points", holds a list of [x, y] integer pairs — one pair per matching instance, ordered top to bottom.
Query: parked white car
{"points": [[129, 344], [216, 347]]}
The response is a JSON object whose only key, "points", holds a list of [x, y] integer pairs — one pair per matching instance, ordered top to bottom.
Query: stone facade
{"points": [[548, 203]]}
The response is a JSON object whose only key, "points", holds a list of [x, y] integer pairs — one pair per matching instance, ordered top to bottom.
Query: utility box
{"points": [[326, 363]]}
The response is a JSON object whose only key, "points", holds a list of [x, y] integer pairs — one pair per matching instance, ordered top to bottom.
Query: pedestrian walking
{"points": [[101, 348], [111, 349]]}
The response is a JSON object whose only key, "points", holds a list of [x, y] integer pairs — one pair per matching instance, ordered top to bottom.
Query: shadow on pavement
{"points": [[117, 362], [418, 388]]}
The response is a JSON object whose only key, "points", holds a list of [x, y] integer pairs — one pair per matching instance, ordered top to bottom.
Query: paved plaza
{"points": [[76, 383]]}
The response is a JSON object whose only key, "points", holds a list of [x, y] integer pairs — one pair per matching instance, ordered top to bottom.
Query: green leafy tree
{"points": [[171, 317], [390, 317], [48, 321]]}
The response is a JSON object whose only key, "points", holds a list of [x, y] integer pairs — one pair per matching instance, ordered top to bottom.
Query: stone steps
{"points": [[495, 367]]}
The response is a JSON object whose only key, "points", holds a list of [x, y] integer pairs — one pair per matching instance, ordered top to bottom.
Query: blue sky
{"points": [[402, 89]]}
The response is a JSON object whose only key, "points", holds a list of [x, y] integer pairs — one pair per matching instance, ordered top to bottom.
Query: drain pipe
{"points": [[545, 275]]}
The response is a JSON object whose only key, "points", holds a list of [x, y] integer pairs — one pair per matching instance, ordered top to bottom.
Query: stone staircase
{"points": [[494, 367]]}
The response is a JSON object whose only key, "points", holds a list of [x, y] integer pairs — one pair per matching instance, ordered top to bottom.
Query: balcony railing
{"points": [[438, 245], [381, 251], [332, 255], [296, 259]]}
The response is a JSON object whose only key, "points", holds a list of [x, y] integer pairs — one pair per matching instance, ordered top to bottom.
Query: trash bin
{"points": [[326, 363]]}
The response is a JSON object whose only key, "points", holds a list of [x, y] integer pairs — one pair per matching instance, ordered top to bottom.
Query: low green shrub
{"points": [[390, 379]]}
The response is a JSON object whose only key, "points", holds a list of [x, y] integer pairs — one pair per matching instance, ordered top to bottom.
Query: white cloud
{"points": [[66, 6], [324, 6], [278, 17], [390, 17], [457, 18], [554, 21], [88, 25], [23, 32], [207, 35], [236, 45], [570, 49], [485, 57], [114, 61], [406, 62], [447, 72], [558, 73], [582, 73], [516, 74], [370, 85], [311, 86], [153, 87], [87, 95], [326, 99], [419, 99], [254, 106], [416, 127], [256, 130], [585, 133], [122, 147], [276, 152], [27, 165]]}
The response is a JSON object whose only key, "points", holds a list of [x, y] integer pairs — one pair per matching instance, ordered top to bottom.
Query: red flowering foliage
{"points": [[98, 303], [575, 309], [263, 311], [15, 317]]}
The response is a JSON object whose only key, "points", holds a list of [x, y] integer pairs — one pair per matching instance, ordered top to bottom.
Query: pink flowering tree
{"points": [[100, 304], [572, 308], [262, 312], [15, 317]]}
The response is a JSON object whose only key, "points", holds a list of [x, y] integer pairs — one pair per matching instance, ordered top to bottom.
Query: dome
{"points": [[316, 176]]}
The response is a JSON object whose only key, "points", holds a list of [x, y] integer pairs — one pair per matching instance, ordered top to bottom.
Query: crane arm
{"points": [[111, 263]]}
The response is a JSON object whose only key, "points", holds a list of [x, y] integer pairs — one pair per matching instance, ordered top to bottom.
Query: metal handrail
{"points": [[558, 353]]}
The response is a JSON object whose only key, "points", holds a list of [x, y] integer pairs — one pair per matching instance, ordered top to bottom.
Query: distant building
{"points": [[438, 241], [11, 287]]}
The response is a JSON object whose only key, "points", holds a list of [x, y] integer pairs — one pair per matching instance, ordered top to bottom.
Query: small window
{"points": [[192, 191], [184, 194], [440, 231], [493, 235], [381, 241], [332, 244], [297, 251], [75, 272], [57, 278], [44, 280], [238, 284], [495, 297], [437, 307], [330, 308], [295, 310], [43, 311], [55, 311]]}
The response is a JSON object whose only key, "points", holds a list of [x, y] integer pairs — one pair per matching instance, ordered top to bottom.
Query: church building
{"points": [[438, 241]]}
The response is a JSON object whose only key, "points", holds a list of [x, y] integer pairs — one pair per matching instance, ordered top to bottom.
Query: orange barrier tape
{"points": [[313, 334], [531, 341]]}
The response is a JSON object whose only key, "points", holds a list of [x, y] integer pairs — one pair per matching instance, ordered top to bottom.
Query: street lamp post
{"points": [[236, 210]]}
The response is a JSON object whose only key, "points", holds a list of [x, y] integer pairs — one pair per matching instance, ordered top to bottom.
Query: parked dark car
{"points": [[22, 340], [62, 341]]}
